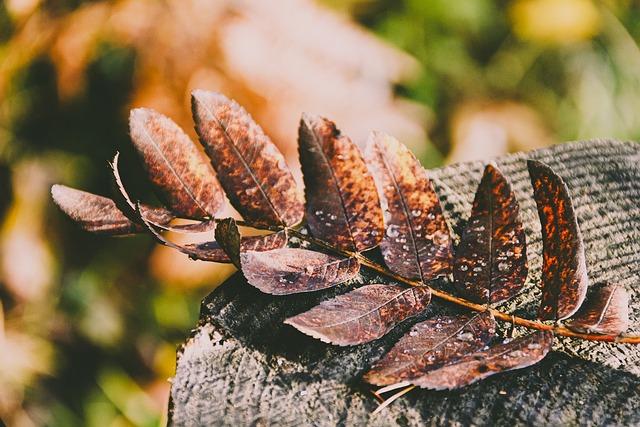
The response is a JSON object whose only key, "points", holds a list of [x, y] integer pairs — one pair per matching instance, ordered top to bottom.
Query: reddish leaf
{"points": [[249, 166], [180, 173], [342, 202], [99, 214], [228, 237], [416, 244], [491, 262], [289, 270], [564, 271], [606, 311], [362, 315], [431, 344], [515, 354]]}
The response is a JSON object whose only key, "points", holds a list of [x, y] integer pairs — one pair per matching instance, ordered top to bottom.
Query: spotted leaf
{"points": [[342, 202], [416, 244], [491, 260], [564, 270]]}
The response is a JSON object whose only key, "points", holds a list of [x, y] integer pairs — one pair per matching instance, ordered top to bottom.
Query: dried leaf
{"points": [[249, 166], [181, 175], [342, 202], [99, 214], [228, 237], [417, 243], [211, 251], [491, 262], [289, 270], [564, 270], [606, 311], [362, 315], [431, 344], [515, 354]]}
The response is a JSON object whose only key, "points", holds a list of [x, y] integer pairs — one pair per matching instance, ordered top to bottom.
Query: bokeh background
{"points": [[89, 325]]}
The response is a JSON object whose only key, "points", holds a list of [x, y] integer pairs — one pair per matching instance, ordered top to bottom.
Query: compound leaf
{"points": [[362, 315]]}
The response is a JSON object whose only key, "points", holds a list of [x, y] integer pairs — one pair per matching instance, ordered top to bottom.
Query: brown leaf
{"points": [[249, 166], [181, 175], [342, 202], [99, 214], [228, 237], [417, 243], [211, 251], [491, 261], [289, 270], [564, 270], [606, 311], [362, 315], [431, 344], [515, 354]]}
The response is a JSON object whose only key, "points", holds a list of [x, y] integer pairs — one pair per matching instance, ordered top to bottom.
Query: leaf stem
{"points": [[532, 324]]}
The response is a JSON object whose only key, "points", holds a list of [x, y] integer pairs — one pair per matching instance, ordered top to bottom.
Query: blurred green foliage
{"points": [[107, 329]]}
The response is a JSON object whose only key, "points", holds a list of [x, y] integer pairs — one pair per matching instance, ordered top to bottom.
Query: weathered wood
{"points": [[243, 366]]}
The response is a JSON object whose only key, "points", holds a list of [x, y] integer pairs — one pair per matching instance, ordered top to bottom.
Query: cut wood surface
{"points": [[244, 366]]}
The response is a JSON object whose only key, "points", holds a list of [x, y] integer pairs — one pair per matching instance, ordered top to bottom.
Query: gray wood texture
{"points": [[243, 367]]}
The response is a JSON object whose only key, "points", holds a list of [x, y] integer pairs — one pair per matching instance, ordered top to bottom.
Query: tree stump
{"points": [[243, 366]]}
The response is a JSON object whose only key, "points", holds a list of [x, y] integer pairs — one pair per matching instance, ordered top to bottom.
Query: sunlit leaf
{"points": [[250, 168], [181, 175], [342, 202], [99, 214], [228, 237], [416, 244], [211, 251], [491, 260], [289, 270], [564, 270], [606, 311], [362, 315], [431, 344], [514, 354]]}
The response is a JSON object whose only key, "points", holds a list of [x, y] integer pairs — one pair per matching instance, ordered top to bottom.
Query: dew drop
{"points": [[343, 157], [282, 165], [251, 191], [416, 212], [319, 213], [431, 216], [332, 217], [328, 224], [418, 227], [479, 228], [392, 231], [510, 252], [503, 266], [464, 267], [477, 269], [438, 325], [492, 330], [413, 333], [465, 336], [506, 340], [533, 346], [516, 353], [431, 358], [397, 359]]}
